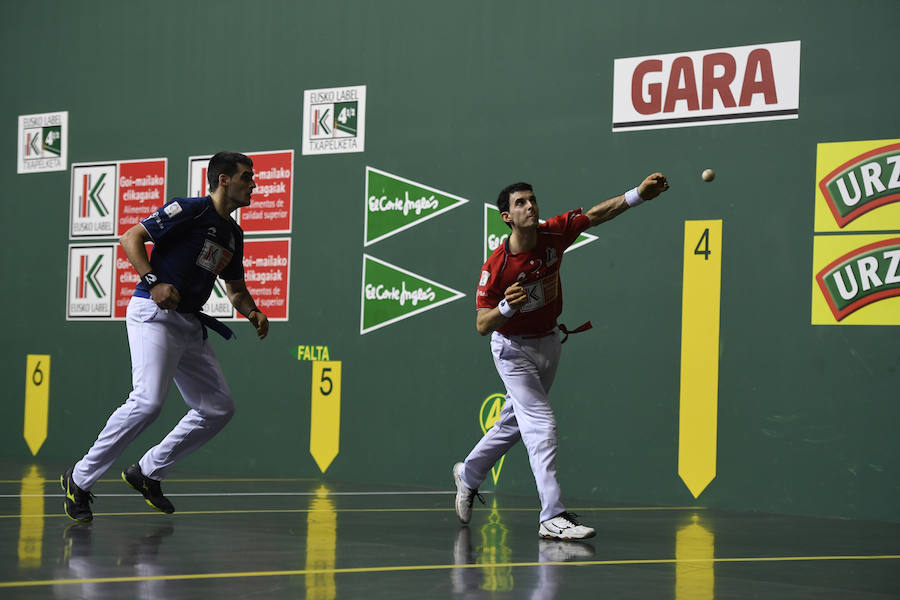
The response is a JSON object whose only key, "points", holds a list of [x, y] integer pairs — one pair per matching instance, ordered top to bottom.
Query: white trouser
{"points": [[165, 345], [527, 368]]}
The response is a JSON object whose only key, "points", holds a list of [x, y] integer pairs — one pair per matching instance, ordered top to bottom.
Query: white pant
{"points": [[165, 345], [527, 367]]}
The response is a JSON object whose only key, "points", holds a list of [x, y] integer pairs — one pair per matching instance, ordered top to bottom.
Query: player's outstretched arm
{"points": [[650, 188], [240, 298]]}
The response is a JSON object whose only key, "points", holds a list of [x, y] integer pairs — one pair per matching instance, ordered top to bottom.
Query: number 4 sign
{"points": [[698, 414]]}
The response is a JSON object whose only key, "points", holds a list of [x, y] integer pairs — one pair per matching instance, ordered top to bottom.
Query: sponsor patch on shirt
{"points": [[172, 209], [213, 257], [485, 275], [541, 292]]}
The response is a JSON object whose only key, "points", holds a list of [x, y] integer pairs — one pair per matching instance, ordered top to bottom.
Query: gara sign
{"points": [[707, 87]]}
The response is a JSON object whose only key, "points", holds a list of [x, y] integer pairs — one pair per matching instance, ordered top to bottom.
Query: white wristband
{"points": [[632, 198], [506, 310]]}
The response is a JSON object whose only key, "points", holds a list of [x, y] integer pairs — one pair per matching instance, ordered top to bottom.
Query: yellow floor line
{"points": [[349, 510], [659, 561]]}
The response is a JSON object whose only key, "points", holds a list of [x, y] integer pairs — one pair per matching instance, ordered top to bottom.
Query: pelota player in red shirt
{"points": [[519, 299]]}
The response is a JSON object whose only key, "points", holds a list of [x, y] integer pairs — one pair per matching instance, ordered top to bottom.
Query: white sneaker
{"points": [[464, 496], [565, 526]]}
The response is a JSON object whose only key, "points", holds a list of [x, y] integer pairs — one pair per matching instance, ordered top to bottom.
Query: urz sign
{"points": [[707, 87], [863, 183], [856, 251], [861, 277]]}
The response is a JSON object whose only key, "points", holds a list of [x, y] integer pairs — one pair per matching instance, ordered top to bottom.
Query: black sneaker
{"points": [[148, 487], [78, 501]]}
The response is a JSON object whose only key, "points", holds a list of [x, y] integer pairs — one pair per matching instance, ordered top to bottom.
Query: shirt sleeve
{"points": [[172, 217], [573, 224], [235, 268], [488, 294]]}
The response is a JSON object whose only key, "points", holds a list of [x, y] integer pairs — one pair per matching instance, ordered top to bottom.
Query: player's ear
{"points": [[223, 179], [506, 218]]}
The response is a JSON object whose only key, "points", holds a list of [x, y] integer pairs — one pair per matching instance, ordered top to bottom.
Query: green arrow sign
{"points": [[394, 204], [496, 232], [391, 294]]}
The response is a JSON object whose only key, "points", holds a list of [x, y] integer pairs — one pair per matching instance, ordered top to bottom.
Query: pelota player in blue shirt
{"points": [[195, 240]]}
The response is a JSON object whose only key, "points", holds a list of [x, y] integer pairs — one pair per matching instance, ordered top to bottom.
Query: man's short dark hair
{"points": [[224, 163], [505, 193]]}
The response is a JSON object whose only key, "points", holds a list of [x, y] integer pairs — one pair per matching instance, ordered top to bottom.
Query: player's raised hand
{"points": [[653, 186], [165, 295], [516, 296], [261, 322]]}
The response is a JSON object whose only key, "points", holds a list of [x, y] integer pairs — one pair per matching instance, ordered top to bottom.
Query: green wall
{"points": [[467, 97]]}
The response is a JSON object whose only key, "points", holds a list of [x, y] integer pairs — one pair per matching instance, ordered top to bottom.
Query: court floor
{"points": [[307, 538]]}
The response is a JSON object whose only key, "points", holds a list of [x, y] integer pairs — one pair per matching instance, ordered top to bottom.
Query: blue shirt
{"points": [[192, 245]]}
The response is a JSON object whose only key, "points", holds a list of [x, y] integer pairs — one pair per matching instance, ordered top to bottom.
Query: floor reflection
{"points": [[31, 524], [321, 545], [495, 550], [133, 554], [494, 555], [695, 570]]}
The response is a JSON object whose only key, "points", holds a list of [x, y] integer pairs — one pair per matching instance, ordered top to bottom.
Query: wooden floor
{"points": [[299, 538]]}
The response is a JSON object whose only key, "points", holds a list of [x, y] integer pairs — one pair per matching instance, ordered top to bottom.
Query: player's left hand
{"points": [[653, 186], [260, 321]]}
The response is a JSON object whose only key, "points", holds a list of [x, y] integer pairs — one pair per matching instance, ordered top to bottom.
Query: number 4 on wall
{"points": [[703, 241], [698, 408]]}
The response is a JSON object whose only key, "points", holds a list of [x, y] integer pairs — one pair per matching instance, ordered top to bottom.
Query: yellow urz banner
{"points": [[856, 246], [698, 408]]}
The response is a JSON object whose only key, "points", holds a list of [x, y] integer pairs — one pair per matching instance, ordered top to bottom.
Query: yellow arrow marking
{"points": [[37, 400], [325, 412], [697, 417]]}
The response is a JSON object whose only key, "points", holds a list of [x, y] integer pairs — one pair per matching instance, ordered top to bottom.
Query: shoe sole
{"points": [[62, 484], [138, 490], [559, 537]]}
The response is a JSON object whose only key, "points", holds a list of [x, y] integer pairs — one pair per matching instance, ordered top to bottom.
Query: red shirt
{"points": [[536, 271]]}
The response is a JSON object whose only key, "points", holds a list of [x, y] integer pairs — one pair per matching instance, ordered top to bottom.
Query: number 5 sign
{"points": [[325, 412]]}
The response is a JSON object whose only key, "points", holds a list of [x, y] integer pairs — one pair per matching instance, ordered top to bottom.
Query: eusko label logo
{"points": [[334, 120], [42, 142], [93, 200], [90, 282]]}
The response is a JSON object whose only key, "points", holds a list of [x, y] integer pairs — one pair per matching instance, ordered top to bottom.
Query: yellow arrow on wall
{"points": [[37, 400], [325, 412], [698, 412]]}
